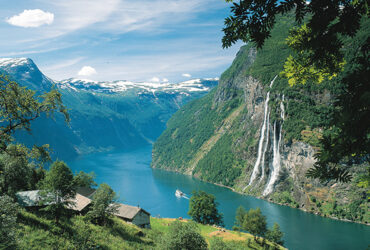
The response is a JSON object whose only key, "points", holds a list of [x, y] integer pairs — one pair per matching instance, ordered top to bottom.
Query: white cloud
{"points": [[31, 18], [87, 71], [186, 75], [155, 79], [164, 80]]}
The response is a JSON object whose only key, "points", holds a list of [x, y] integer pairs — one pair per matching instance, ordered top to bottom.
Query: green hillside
{"points": [[216, 137], [37, 232]]}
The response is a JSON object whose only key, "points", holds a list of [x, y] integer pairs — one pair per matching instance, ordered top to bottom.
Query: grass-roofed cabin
{"points": [[134, 215]]}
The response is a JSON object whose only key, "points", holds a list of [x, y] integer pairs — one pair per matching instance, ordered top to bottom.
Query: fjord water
{"points": [[130, 175]]}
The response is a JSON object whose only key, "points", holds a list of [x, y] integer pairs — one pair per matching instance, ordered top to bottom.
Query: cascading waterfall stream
{"points": [[265, 125], [265, 148], [276, 166]]}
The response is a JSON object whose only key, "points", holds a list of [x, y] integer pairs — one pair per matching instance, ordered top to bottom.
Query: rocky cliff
{"points": [[258, 135]]}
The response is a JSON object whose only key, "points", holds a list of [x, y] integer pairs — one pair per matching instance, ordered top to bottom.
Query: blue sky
{"points": [[136, 40]]}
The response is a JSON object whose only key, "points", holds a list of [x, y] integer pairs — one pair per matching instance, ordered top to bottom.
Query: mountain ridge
{"points": [[124, 114]]}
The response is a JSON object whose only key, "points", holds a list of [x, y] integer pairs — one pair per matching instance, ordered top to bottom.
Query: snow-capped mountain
{"points": [[25, 71], [195, 85], [124, 114]]}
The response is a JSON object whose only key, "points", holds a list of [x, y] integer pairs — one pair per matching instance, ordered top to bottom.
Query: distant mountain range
{"points": [[116, 115]]}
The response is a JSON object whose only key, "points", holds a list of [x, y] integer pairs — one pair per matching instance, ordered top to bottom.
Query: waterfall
{"points": [[265, 126], [265, 148], [276, 153]]}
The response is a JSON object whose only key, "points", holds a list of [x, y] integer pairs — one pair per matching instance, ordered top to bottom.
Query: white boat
{"points": [[179, 194]]}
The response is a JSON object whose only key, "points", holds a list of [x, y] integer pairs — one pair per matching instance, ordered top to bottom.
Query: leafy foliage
{"points": [[317, 43], [19, 107], [346, 140], [82, 179], [58, 189], [102, 205], [203, 208], [252, 221], [8, 222], [275, 235], [184, 236]]}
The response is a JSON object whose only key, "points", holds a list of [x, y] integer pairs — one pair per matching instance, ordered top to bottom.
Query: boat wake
{"points": [[180, 194]]}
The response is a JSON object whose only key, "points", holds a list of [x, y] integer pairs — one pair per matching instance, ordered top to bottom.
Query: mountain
{"points": [[119, 115], [257, 135]]}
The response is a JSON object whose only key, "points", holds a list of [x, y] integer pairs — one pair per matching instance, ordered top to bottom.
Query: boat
{"points": [[179, 193]]}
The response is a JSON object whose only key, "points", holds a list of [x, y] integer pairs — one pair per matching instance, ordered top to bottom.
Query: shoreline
{"points": [[261, 198]]}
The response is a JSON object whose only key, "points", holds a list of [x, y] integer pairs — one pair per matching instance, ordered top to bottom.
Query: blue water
{"points": [[130, 175]]}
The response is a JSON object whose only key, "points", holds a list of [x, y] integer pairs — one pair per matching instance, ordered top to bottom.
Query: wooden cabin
{"points": [[32, 200], [134, 215]]}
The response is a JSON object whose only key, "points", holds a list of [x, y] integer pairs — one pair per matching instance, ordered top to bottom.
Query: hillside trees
{"points": [[319, 52], [19, 106], [21, 167], [82, 179], [58, 189], [103, 204], [203, 208], [252, 221], [8, 222], [275, 234], [184, 236]]}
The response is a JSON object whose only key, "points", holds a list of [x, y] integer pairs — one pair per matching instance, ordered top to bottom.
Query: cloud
{"points": [[31, 18], [87, 71], [186, 75], [155, 79], [164, 80]]}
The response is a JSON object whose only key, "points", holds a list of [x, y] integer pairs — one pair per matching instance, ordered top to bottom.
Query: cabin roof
{"points": [[28, 198], [32, 198], [78, 203], [127, 211]]}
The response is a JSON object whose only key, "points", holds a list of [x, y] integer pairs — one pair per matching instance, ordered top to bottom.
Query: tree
{"points": [[318, 40], [319, 53], [20, 106], [20, 167], [15, 172], [82, 179], [58, 189], [103, 204], [203, 208], [252, 221], [8, 222], [182, 235], [275, 235]]}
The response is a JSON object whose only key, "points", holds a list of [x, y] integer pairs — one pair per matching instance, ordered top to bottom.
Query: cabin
{"points": [[29, 199], [32, 200], [79, 204], [133, 215]]}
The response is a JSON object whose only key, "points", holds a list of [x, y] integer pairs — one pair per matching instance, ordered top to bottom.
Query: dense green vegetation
{"points": [[332, 40], [187, 132], [201, 139], [203, 208], [36, 231]]}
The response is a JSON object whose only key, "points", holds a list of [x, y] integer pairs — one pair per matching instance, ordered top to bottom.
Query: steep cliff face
{"points": [[258, 135]]}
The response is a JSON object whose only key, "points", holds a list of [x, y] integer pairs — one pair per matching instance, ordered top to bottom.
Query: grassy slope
{"points": [[36, 232]]}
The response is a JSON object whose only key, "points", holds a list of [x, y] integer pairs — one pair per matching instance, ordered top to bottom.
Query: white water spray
{"points": [[265, 126], [265, 148], [276, 166]]}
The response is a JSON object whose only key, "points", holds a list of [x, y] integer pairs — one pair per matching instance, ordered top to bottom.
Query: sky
{"points": [[136, 40]]}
